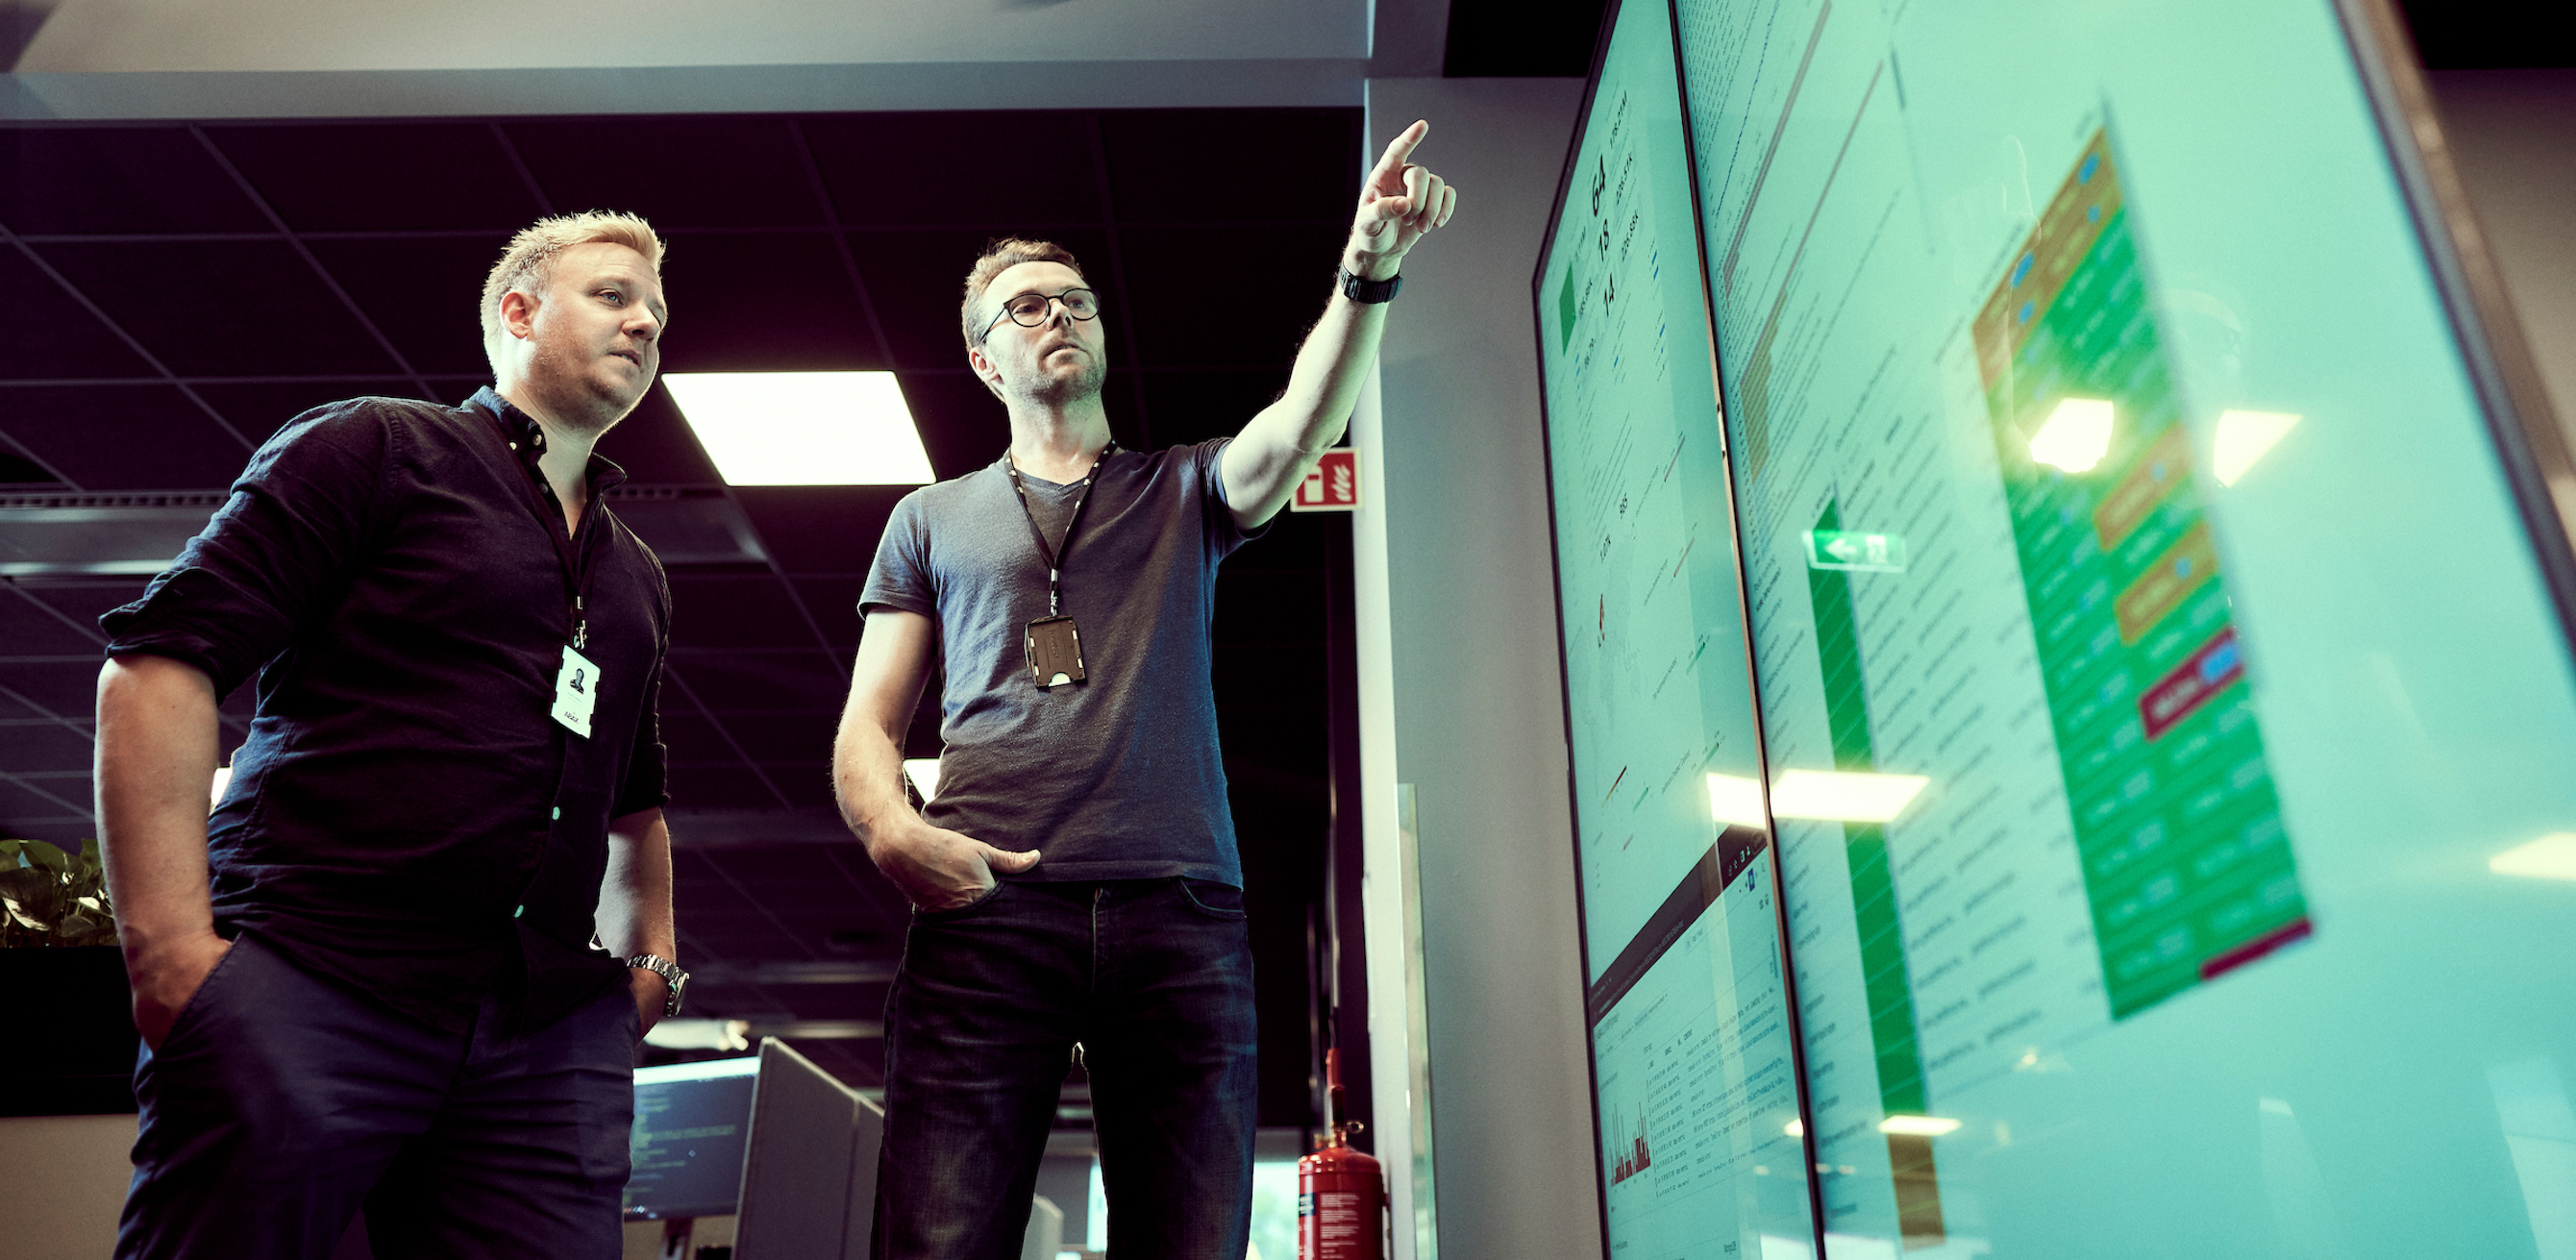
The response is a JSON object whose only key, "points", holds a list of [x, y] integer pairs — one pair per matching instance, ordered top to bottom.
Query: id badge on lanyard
{"points": [[1052, 644]]}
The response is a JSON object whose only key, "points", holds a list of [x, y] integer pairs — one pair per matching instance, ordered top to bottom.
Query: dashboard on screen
{"points": [[2087, 624], [1701, 1146]]}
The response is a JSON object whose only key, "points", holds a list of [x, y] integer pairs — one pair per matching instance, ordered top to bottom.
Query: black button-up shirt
{"points": [[407, 816]]}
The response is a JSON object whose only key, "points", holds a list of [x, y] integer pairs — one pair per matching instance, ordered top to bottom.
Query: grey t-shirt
{"points": [[1117, 777]]}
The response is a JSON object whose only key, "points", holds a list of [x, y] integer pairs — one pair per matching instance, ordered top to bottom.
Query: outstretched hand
{"points": [[1399, 204]]}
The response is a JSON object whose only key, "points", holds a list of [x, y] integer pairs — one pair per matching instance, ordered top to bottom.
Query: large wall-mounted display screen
{"points": [[2167, 731], [1692, 1046]]}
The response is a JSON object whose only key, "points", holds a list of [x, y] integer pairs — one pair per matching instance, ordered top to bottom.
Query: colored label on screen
{"points": [[2175, 816]]}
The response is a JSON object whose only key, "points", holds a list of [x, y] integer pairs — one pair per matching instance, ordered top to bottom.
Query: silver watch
{"points": [[672, 977]]}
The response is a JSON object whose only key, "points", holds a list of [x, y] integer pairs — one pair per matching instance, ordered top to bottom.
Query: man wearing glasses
{"points": [[1066, 591]]}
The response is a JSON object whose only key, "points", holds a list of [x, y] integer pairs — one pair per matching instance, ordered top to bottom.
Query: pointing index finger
{"points": [[1397, 150]]}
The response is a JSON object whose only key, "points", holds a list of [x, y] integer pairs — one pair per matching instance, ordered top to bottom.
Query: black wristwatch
{"points": [[1370, 291], [672, 977]]}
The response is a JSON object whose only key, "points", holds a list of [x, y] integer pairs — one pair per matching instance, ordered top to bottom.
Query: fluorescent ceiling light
{"points": [[803, 428], [2077, 435], [2243, 437], [924, 773], [223, 778], [1839, 796], [1735, 800], [2552, 856], [1917, 1126]]}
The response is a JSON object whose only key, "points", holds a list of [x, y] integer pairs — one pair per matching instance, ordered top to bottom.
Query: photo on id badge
{"points": [[576, 692]]}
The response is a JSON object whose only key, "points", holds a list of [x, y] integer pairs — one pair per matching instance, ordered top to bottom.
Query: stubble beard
{"points": [[1049, 389], [575, 395]]}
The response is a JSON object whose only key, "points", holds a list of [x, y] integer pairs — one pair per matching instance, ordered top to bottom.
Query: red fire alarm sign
{"points": [[1334, 486]]}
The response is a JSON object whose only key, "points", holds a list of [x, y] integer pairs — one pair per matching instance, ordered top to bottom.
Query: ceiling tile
{"points": [[1164, 162], [911, 169], [678, 172], [379, 177], [117, 180], [1167, 269], [918, 279], [422, 293], [222, 308], [808, 317], [46, 333], [1193, 406], [259, 410], [962, 425], [124, 437], [655, 446], [17, 471], [821, 529], [834, 601], [734, 612], [29, 628], [771, 682], [57, 689], [690, 737], [779, 738], [25, 749], [808, 784], [719, 787], [46, 809]]}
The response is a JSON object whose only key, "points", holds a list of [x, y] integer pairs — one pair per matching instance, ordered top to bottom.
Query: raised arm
{"points": [[1399, 204], [157, 737], [936, 868]]}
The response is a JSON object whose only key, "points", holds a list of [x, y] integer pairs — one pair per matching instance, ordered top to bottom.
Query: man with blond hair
{"points": [[1075, 881], [373, 979]]}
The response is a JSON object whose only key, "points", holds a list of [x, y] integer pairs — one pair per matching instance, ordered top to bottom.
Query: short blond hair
{"points": [[998, 257], [528, 264]]}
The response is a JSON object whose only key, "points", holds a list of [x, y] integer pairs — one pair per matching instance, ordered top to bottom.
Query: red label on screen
{"points": [[2181, 693]]}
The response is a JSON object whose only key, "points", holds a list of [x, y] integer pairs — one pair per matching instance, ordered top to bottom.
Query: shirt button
{"points": [[514, 446], [558, 811], [520, 911]]}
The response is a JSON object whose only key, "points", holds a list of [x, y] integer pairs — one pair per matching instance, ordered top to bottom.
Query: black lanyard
{"points": [[549, 511], [1054, 555]]}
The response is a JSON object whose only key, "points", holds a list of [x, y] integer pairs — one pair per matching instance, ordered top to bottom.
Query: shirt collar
{"points": [[527, 440]]}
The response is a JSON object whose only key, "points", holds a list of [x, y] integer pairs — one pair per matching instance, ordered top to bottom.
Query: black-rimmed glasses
{"points": [[1029, 310]]}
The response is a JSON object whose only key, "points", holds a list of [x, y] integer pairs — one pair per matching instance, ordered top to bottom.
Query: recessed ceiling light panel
{"points": [[803, 428]]}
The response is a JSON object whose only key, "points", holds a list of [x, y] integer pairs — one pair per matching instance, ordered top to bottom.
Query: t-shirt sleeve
{"points": [[301, 516], [1223, 534], [901, 576]]}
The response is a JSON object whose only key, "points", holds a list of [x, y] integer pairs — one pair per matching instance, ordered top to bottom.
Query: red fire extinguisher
{"points": [[1341, 1193]]}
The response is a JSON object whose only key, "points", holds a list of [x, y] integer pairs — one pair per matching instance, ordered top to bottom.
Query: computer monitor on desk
{"points": [[692, 1121], [809, 1176]]}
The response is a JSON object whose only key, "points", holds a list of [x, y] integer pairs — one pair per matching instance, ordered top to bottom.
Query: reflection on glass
{"points": [[2075, 436], [2243, 437], [1844, 796], [1736, 800], [2552, 856], [1918, 1126]]}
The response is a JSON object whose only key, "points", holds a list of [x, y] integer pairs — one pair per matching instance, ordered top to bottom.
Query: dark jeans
{"points": [[1154, 979], [281, 1102]]}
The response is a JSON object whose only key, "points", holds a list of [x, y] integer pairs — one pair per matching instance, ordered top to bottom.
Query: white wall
{"points": [[1460, 682], [66, 1179]]}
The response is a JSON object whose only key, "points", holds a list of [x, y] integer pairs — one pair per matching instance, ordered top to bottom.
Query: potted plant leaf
{"points": [[62, 984]]}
